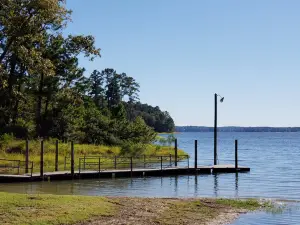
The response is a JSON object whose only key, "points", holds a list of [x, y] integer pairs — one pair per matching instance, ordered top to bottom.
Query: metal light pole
{"points": [[215, 127]]}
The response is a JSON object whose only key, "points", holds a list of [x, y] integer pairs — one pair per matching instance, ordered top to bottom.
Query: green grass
{"points": [[15, 150], [248, 204], [251, 204], [21, 209], [205, 210], [180, 212]]}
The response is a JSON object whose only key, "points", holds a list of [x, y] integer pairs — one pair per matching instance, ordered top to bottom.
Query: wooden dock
{"points": [[114, 166], [66, 175]]}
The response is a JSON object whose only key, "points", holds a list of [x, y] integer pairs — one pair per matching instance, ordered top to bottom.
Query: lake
{"points": [[274, 159]]}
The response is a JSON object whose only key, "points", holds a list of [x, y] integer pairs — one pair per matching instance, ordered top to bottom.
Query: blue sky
{"points": [[182, 52]]}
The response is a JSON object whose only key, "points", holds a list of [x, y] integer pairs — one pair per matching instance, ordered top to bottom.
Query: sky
{"points": [[181, 52]]}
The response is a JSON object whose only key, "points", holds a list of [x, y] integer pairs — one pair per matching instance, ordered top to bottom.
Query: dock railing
{"points": [[103, 163], [16, 167]]}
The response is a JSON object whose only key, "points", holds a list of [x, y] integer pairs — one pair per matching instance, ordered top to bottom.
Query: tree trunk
{"points": [[10, 42], [11, 78], [11, 81], [16, 107], [46, 107], [39, 108]]}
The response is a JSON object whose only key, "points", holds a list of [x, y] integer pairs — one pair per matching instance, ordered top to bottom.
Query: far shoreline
{"points": [[175, 132]]}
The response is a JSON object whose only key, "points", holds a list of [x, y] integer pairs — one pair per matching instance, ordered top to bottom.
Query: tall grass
{"points": [[14, 149]]}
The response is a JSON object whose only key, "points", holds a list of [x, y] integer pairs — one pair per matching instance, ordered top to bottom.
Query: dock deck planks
{"points": [[66, 175]]}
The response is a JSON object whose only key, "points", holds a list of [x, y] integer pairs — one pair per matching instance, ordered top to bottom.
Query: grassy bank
{"points": [[15, 150], [53, 209]]}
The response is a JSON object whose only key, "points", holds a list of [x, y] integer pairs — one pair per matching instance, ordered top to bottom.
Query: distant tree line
{"points": [[45, 93], [161, 121], [236, 129]]}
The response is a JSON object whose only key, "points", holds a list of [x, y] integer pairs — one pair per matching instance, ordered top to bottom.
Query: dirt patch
{"points": [[158, 211]]}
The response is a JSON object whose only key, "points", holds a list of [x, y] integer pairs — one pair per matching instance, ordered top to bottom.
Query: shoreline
{"points": [[92, 210], [170, 211]]}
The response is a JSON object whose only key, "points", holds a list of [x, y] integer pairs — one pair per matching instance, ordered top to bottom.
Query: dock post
{"points": [[215, 132], [176, 152], [196, 154], [236, 154], [56, 155], [26, 156], [72, 158], [42, 159], [170, 160], [144, 161], [84, 162], [115, 162], [65, 163], [161, 163], [131, 165], [79, 166], [19, 167], [99, 167], [31, 169]]}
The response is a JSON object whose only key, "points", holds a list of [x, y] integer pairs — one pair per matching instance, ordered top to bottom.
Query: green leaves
{"points": [[45, 93]]}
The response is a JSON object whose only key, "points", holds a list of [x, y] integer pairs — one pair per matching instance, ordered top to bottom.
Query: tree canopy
{"points": [[45, 93]]}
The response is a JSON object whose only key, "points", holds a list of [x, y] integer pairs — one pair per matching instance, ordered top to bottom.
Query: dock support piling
{"points": [[215, 132], [176, 149], [196, 154], [236, 154], [56, 155], [26, 156], [72, 158], [42, 159], [170, 160], [84, 162], [115, 162], [65, 163], [161, 163], [19, 165], [99, 165], [79, 166], [31, 169]]}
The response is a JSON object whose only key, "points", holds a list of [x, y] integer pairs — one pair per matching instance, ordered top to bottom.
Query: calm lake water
{"points": [[274, 159]]}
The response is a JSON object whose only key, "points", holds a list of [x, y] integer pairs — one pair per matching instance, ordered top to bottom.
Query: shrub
{"points": [[132, 149]]}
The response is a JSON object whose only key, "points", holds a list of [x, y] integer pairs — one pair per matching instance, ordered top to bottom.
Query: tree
{"points": [[27, 21], [22, 35], [63, 54], [113, 89], [97, 91], [45, 93], [153, 116]]}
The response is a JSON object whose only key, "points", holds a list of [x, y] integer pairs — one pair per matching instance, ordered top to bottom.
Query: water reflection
{"points": [[176, 185], [196, 185], [216, 185], [236, 185]]}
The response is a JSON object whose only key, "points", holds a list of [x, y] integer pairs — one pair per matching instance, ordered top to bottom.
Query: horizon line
{"points": [[238, 126]]}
